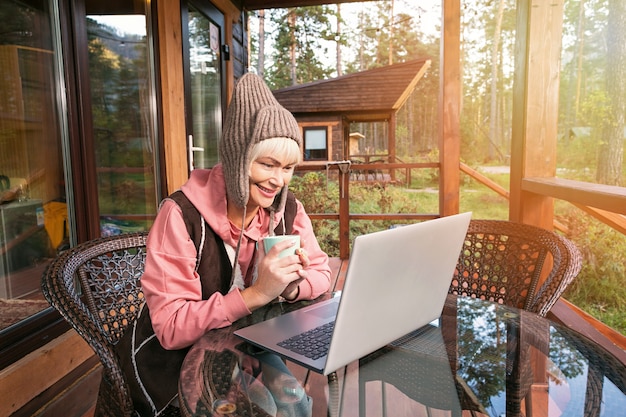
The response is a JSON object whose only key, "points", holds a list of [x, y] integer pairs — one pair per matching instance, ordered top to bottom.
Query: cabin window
{"points": [[316, 143], [60, 185], [33, 212]]}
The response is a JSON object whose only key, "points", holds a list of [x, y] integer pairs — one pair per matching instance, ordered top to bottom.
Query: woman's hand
{"points": [[276, 276], [293, 290]]}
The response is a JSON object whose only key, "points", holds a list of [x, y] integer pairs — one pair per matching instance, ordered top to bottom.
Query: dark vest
{"points": [[212, 263], [157, 368]]}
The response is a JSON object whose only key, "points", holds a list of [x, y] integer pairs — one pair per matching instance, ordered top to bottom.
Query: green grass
{"points": [[484, 204], [599, 288]]}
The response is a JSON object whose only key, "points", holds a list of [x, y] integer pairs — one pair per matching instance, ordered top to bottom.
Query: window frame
{"points": [[321, 128], [39, 329], [29, 334]]}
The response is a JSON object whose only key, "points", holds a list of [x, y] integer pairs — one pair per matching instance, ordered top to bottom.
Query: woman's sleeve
{"points": [[318, 280], [173, 290]]}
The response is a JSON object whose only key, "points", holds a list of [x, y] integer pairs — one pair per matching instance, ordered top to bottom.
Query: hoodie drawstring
{"points": [[243, 223], [235, 262]]}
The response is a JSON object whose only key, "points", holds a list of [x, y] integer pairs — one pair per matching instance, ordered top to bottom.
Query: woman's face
{"points": [[267, 176]]}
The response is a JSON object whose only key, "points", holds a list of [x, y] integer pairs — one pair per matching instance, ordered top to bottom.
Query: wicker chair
{"points": [[503, 261], [95, 286]]}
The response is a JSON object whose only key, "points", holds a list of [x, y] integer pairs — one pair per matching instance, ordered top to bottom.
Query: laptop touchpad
{"points": [[326, 311]]}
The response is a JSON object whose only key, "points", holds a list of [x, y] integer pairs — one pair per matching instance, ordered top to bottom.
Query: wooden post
{"points": [[173, 94], [535, 107], [450, 109], [391, 144], [344, 210]]}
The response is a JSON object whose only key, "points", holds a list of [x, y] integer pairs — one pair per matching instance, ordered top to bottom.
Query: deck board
{"points": [[338, 269]]}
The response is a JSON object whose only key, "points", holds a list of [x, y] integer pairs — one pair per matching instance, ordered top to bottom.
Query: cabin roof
{"points": [[367, 95]]}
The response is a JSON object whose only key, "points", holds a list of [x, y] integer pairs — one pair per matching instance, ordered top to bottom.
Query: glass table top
{"points": [[479, 356]]}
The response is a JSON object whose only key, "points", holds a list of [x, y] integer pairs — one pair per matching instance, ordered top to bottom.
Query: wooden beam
{"points": [[277, 4], [227, 7], [409, 90], [173, 93], [535, 107], [450, 108], [484, 180], [605, 197], [344, 211], [614, 220], [572, 317]]}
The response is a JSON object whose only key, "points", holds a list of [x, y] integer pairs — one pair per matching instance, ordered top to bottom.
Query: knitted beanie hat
{"points": [[250, 94], [253, 115], [275, 122]]}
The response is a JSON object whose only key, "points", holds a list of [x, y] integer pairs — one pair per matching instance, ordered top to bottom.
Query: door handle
{"points": [[192, 149]]}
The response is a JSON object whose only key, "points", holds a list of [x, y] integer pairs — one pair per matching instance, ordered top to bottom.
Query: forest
{"points": [[300, 45]]}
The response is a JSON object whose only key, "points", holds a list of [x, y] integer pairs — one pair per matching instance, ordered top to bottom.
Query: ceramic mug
{"points": [[270, 241]]}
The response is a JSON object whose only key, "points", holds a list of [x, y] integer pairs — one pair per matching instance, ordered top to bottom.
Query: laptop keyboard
{"points": [[313, 343]]}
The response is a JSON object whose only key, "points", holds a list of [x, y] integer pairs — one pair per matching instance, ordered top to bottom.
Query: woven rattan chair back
{"points": [[502, 261], [95, 286]]}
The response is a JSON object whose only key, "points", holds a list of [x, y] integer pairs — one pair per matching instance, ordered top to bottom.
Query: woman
{"points": [[203, 270]]}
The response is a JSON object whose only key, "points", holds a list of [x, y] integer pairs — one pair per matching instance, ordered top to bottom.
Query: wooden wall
{"points": [[334, 122], [23, 384]]}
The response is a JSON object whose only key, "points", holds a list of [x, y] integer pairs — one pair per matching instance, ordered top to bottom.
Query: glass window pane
{"points": [[121, 84], [206, 92], [315, 139], [315, 143], [33, 213]]}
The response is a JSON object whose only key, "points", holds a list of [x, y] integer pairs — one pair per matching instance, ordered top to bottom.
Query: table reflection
{"points": [[479, 358], [516, 363]]}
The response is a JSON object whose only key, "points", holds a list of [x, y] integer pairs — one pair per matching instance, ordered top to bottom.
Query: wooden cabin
{"points": [[328, 107], [58, 146]]}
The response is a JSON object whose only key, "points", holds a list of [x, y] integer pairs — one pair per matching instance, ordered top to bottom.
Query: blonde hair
{"points": [[286, 150]]}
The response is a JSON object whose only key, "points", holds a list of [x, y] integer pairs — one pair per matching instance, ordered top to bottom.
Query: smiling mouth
{"points": [[266, 190]]}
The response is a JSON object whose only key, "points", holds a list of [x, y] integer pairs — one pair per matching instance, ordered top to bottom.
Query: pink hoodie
{"points": [[171, 286]]}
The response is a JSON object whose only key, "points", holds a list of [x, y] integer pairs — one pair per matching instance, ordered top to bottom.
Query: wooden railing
{"points": [[343, 170], [484, 180], [604, 202], [609, 202]]}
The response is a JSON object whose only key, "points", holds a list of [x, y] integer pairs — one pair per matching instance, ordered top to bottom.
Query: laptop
{"points": [[397, 281]]}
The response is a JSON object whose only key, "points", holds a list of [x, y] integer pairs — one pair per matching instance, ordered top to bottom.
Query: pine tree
{"points": [[298, 45]]}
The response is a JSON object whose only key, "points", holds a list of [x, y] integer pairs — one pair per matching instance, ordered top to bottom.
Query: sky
{"points": [[426, 13], [134, 24]]}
